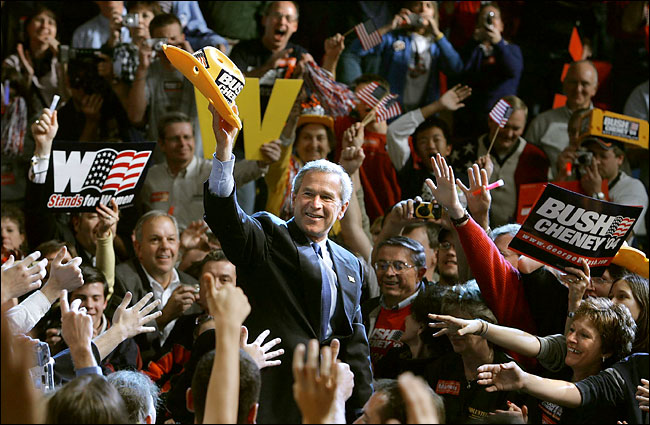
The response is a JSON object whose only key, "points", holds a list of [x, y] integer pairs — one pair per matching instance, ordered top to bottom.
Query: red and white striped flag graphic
{"points": [[368, 34], [371, 94], [388, 108], [501, 112], [126, 170], [621, 225]]}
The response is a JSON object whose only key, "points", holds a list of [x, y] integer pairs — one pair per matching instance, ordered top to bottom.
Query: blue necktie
{"points": [[326, 293]]}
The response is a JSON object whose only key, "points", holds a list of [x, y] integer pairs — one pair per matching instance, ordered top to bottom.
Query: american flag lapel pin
{"points": [[351, 279]]}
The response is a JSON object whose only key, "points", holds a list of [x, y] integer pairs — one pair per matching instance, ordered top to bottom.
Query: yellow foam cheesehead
{"points": [[214, 75], [633, 260]]}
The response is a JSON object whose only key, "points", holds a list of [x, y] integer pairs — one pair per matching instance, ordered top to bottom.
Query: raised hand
{"points": [[334, 45], [25, 61], [452, 99], [91, 106], [43, 131], [225, 134], [353, 136], [271, 152], [351, 159], [445, 190], [479, 205], [108, 218], [194, 235], [63, 276], [19, 278], [577, 280], [227, 305], [131, 321], [454, 326], [77, 331], [259, 351], [501, 377], [314, 387]]}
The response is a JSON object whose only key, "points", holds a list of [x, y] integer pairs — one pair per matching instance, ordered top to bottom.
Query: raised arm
{"points": [[229, 307], [508, 338], [510, 377]]}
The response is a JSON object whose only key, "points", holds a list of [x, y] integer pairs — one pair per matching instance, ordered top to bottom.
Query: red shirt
{"points": [[387, 332]]}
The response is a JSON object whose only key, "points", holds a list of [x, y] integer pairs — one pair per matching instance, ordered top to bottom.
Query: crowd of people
{"points": [[308, 285]]}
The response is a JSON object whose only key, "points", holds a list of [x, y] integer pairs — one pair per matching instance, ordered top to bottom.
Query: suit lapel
{"points": [[347, 283]]}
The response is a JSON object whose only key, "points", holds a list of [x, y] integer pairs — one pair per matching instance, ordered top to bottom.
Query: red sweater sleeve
{"points": [[500, 283]]}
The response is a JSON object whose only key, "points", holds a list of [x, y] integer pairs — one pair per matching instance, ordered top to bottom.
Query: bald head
{"points": [[580, 84]]}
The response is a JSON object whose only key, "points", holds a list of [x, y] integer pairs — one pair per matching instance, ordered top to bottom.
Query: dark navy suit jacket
{"points": [[280, 274]]}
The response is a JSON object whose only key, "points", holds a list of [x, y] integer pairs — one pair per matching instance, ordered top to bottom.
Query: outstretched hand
{"points": [[452, 99], [43, 131], [225, 134], [478, 204], [19, 278], [131, 321], [454, 326], [259, 350], [501, 377]]}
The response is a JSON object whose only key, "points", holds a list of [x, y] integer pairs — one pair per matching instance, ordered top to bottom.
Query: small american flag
{"points": [[368, 34], [371, 94], [337, 99], [388, 108], [501, 113], [116, 171], [621, 225]]}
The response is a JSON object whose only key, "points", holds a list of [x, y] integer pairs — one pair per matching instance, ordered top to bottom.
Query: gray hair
{"points": [[324, 166], [150, 216], [506, 229], [417, 250], [135, 387]]}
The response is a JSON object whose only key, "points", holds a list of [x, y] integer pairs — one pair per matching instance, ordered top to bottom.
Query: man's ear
{"points": [[344, 208], [421, 272], [189, 400]]}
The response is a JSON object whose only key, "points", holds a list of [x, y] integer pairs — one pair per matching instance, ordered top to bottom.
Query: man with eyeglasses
{"points": [[400, 264]]}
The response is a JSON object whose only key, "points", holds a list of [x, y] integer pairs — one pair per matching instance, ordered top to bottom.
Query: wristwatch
{"points": [[599, 195], [458, 221]]}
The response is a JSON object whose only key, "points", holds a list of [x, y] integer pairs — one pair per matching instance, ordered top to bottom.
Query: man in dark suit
{"points": [[156, 246], [300, 285]]}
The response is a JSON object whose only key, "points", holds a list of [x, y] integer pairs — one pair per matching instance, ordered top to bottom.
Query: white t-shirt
{"points": [[419, 69]]}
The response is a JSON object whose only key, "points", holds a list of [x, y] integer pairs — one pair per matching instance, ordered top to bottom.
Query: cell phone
{"points": [[131, 20], [428, 210]]}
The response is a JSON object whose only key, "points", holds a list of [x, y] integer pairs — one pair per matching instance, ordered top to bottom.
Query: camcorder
{"points": [[131, 20], [67, 53], [428, 210], [43, 373]]}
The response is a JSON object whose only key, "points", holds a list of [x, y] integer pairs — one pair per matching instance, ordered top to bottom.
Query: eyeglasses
{"points": [[278, 16], [445, 246], [398, 266], [600, 281]]}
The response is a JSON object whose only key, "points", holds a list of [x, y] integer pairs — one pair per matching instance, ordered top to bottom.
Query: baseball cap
{"points": [[214, 74], [603, 142]]}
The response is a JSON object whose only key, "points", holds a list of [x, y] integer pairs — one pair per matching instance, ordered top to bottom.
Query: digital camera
{"points": [[489, 19], [131, 20], [67, 53], [583, 158], [428, 210], [43, 373]]}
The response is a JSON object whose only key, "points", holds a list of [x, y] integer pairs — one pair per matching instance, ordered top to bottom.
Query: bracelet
{"points": [[439, 36], [458, 221], [484, 327]]}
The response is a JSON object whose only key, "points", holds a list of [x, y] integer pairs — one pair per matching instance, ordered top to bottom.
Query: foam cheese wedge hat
{"points": [[214, 74], [633, 260]]}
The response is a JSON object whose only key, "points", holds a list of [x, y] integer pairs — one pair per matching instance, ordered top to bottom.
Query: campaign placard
{"points": [[82, 175], [564, 226]]}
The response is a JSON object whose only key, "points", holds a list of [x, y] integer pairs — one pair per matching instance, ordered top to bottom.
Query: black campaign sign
{"points": [[82, 175], [564, 227]]}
